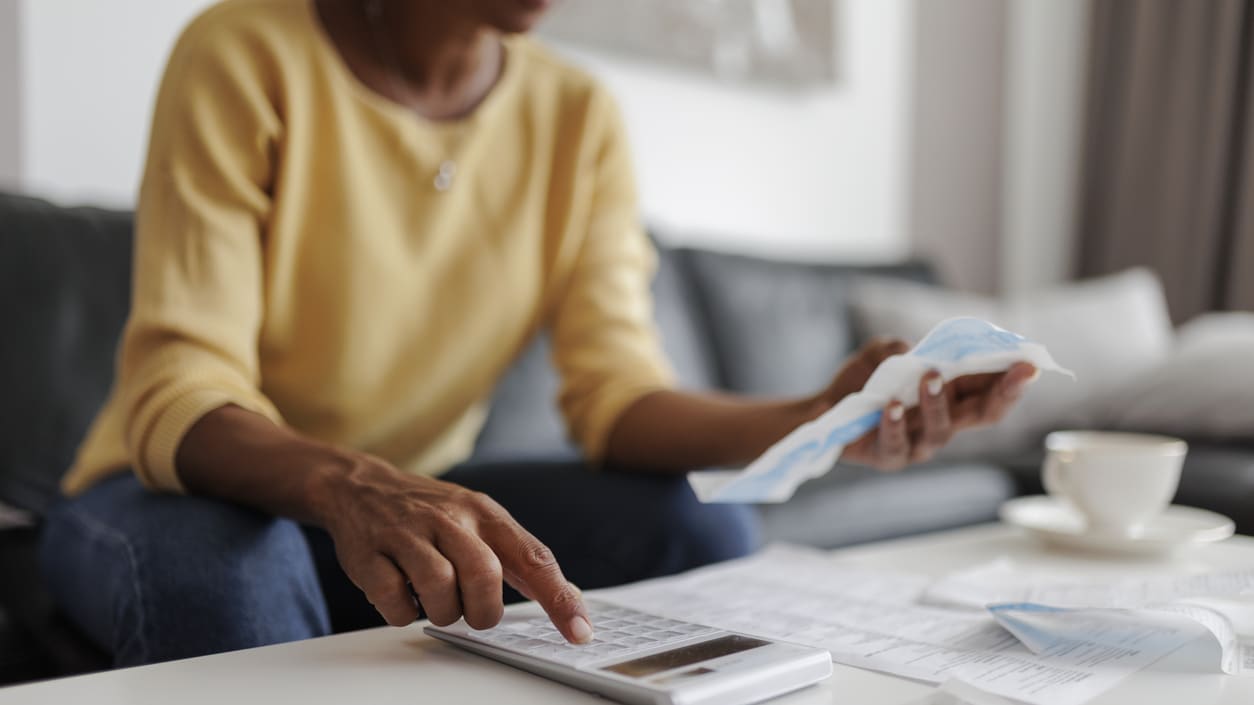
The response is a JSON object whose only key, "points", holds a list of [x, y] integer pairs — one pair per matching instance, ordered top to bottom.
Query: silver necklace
{"points": [[443, 179]]}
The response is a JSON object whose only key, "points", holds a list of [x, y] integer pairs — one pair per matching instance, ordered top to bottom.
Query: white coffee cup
{"points": [[1117, 481]]}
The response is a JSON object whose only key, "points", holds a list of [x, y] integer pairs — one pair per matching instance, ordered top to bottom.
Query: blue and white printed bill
{"points": [[955, 347], [1155, 630]]}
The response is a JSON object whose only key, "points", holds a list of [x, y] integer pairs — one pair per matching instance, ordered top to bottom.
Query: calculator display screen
{"points": [[685, 656]]}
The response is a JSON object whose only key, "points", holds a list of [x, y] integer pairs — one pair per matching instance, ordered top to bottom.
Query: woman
{"points": [[353, 215]]}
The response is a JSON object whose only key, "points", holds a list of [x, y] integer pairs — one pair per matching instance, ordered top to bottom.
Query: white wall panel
{"points": [[89, 77]]}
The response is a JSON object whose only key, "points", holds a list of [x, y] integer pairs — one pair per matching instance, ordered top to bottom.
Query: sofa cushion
{"points": [[64, 296], [780, 328], [1107, 330], [685, 334], [1204, 389], [524, 422], [1220, 477], [854, 504], [47, 644], [19, 660]]}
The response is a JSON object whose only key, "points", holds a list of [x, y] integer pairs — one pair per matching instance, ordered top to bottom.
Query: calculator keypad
{"points": [[619, 631]]}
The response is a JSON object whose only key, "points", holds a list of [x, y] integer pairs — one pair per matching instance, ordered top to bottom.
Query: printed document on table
{"points": [[1002, 581], [1043, 609], [873, 619]]}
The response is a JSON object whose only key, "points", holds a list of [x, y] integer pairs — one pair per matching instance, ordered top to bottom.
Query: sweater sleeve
{"points": [[190, 345], [606, 346]]}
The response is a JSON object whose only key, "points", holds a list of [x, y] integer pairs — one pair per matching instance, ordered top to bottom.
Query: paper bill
{"points": [[955, 347], [1002, 581], [1047, 612], [872, 619], [1230, 620], [1157, 630]]}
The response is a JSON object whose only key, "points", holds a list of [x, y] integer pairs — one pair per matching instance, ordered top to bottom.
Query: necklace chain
{"points": [[447, 170]]}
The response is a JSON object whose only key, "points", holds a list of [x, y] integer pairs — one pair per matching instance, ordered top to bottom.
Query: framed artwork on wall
{"points": [[789, 43]]}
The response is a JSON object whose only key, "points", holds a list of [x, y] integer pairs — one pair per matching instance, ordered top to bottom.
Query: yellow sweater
{"points": [[294, 257]]}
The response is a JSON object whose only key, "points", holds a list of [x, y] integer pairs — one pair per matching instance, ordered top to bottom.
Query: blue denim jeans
{"points": [[152, 577]]}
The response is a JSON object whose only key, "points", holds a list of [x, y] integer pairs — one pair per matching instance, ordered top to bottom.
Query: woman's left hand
{"points": [[914, 435]]}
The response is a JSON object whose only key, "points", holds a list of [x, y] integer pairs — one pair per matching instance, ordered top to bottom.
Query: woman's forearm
{"points": [[673, 431], [243, 457], [404, 540]]}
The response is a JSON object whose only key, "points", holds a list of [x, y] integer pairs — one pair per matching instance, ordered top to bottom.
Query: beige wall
{"points": [[89, 72], [10, 94], [1044, 116], [995, 127], [948, 133], [956, 139], [816, 174]]}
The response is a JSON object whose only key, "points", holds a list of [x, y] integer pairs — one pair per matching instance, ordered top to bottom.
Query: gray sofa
{"points": [[730, 322], [772, 328]]}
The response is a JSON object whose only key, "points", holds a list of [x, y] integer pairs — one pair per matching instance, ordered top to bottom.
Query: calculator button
{"points": [[619, 632]]}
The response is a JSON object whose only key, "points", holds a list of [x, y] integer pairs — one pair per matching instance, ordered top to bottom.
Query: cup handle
{"points": [[1054, 476]]}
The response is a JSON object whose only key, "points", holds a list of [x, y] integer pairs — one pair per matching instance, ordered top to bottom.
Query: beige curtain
{"points": [[1168, 178]]}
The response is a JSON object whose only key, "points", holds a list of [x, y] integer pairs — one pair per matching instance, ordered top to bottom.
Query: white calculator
{"points": [[637, 657]]}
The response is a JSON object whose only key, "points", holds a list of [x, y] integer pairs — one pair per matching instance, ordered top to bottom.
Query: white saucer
{"points": [[1059, 524]]}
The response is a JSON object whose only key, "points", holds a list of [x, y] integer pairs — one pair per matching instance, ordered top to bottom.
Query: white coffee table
{"points": [[389, 665]]}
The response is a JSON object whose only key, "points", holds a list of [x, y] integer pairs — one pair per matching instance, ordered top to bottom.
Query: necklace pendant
{"points": [[444, 177]]}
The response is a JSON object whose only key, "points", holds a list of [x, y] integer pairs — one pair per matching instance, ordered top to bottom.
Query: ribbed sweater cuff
{"points": [[156, 459]]}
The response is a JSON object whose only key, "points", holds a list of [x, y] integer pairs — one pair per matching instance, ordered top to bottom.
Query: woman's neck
{"points": [[420, 53]]}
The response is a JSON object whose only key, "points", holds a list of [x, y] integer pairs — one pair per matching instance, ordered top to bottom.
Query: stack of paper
{"points": [[1049, 613], [907, 625]]}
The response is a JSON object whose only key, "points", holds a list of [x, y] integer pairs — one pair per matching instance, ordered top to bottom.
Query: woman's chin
{"points": [[517, 16]]}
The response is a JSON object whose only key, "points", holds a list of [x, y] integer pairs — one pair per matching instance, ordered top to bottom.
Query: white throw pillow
{"points": [[1108, 331], [1205, 390]]}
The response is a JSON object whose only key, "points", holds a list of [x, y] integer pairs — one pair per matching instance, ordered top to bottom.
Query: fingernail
{"points": [[1036, 374], [935, 385], [896, 412], [581, 629]]}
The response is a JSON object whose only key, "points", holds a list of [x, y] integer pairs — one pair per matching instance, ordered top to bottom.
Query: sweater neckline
{"points": [[505, 82]]}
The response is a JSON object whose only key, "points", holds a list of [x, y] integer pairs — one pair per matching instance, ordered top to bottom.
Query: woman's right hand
{"points": [[394, 531]]}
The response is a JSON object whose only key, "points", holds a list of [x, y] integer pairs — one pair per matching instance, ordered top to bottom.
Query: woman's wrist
{"points": [[818, 405], [330, 477]]}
